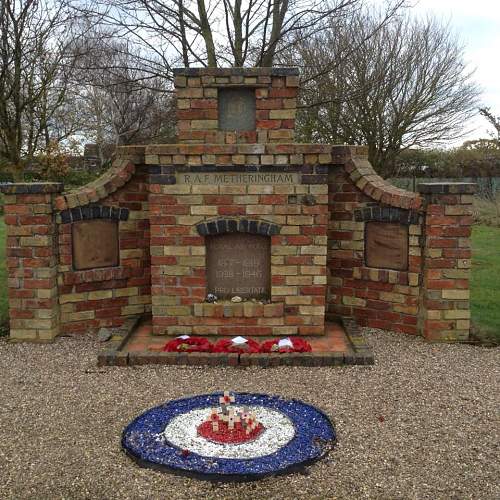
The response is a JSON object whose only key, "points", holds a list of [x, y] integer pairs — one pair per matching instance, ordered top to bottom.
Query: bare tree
{"points": [[215, 32], [34, 55], [405, 85], [116, 107], [493, 120]]}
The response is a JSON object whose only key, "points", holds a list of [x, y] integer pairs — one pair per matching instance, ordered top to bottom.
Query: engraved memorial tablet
{"points": [[236, 109], [95, 244], [386, 245], [239, 264]]}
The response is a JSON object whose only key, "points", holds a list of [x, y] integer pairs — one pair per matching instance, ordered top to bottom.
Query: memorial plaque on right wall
{"points": [[386, 245]]}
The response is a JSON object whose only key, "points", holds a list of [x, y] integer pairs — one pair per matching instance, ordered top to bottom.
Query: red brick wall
{"points": [[197, 91], [316, 224], [298, 251], [31, 259], [431, 297], [95, 298], [378, 298], [445, 299]]}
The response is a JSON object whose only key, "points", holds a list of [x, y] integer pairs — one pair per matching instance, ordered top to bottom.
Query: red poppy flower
{"points": [[190, 344], [227, 345], [298, 345]]}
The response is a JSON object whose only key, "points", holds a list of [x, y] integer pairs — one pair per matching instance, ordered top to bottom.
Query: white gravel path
{"points": [[421, 424]]}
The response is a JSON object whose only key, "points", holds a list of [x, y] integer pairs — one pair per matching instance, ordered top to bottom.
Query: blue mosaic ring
{"points": [[304, 434]]}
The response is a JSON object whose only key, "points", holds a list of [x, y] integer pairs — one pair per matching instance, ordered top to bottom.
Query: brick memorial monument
{"points": [[303, 234]]}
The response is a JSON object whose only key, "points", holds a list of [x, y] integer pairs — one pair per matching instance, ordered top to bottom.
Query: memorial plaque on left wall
{"points": [[95, 244]]}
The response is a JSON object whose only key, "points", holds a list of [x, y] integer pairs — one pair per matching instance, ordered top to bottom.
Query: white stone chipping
{"points": [[182, 431]]}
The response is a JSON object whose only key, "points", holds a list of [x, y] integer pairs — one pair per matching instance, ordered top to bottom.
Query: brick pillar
{"points": [[32, 261], [445, 295]]}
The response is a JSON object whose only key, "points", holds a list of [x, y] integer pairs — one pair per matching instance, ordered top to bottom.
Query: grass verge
{"points": [[485, 283]]}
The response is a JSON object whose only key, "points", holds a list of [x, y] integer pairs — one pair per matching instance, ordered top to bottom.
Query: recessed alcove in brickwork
{"points": [[236, 109], [386, 245], [239, 265]]}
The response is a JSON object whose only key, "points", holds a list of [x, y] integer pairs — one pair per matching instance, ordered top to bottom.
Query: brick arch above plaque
{"points": [[94, 211], [386, 214], [227, 225], [239, 264]]}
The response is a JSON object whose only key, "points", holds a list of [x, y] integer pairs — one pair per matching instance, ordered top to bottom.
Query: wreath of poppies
{"points": [[186, 343], [190, 344], [227, 345], [273, 346]]}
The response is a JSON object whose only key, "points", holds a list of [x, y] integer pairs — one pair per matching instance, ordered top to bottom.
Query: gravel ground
{"points": [[422, 423]]}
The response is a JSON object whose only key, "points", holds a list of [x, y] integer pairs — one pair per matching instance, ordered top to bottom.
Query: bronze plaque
{"points": [[236, 109], [95, 244], [386, 245], [239, 264]]}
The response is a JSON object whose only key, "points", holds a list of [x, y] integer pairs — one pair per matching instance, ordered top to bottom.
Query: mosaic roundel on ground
{"points": [[257, 436]]}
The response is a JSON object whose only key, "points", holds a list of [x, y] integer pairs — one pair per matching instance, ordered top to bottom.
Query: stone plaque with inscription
{"points": [[236, 109], [230, 178], [95, 244], [386, 245], [239, 264]]}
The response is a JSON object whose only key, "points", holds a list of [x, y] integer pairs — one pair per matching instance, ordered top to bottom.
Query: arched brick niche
{"points": [[228, 225]]}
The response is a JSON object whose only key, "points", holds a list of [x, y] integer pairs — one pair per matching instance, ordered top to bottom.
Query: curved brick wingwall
{"points": [[363, 175], [117, 176], [106, 296], [376, 297]]}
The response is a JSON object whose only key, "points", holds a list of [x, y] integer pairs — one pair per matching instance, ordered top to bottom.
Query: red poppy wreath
{"points": [[185, 343], [288, 344], [239, 345]]}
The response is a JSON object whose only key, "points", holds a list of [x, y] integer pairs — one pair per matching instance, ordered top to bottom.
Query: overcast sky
{"points": [[478, 24]]}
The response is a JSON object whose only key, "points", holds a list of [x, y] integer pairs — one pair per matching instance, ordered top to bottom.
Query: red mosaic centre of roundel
{"points": [[224, 435]]}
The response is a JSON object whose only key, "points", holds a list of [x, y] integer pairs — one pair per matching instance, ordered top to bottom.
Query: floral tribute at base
{"points": [[185, 343], [289, 344], [239, 345], [229, 436]]}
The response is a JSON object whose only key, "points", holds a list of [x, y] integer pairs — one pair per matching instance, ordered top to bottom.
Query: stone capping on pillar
{"points": [[228, 72], [447, 188], [242, 225]]}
